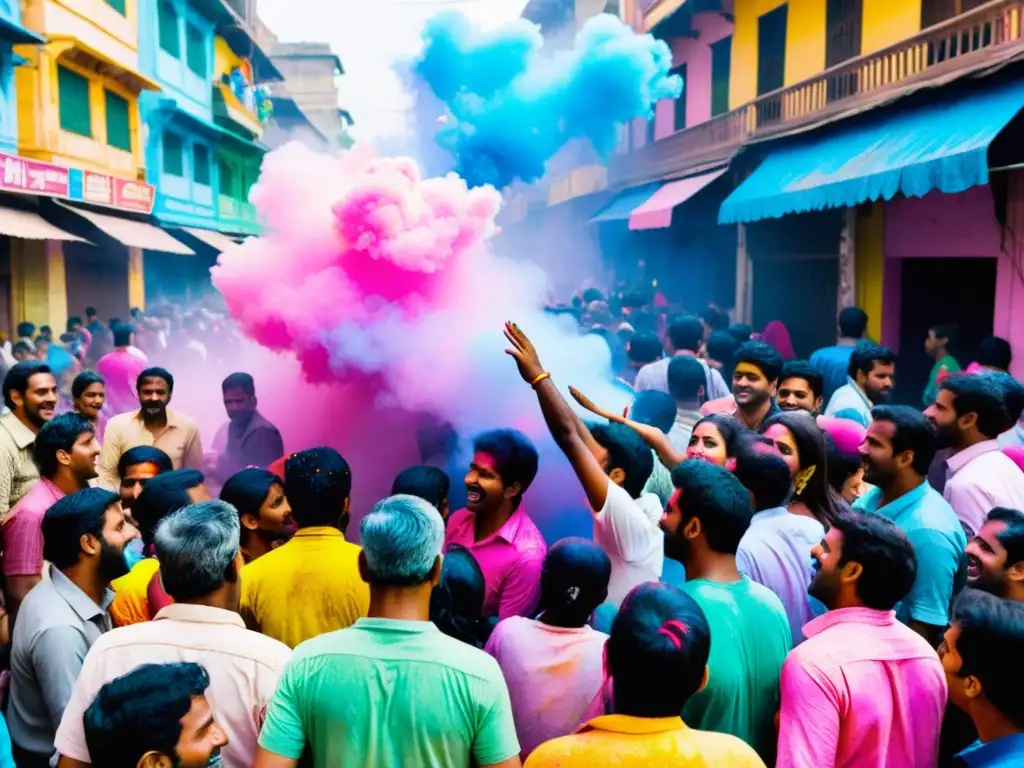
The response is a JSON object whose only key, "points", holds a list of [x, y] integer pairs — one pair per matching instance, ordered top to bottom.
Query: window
{"points": [[117, 5], [936, 11], [167, 19], [843, 30], [195, 50], [771, 50], [721, 65], [73, 101], [679, 105], [649, 126], [119, 131], [174, 162], [201, 163], [227, 178]]}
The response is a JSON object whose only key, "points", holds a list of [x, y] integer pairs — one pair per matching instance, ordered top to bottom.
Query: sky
{"points": [[370, 36]]}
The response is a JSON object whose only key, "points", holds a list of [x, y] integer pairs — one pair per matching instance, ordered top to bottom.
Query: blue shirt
{"points": [[833, 364], [849, 402], [938, 540], [1001, 753]]}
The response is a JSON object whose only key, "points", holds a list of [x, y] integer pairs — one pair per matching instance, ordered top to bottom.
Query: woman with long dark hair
{"points": [[801, 444]]}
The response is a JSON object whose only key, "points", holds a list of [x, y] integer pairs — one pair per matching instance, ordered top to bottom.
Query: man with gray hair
{"points": [[200, 563], [368, 694]]}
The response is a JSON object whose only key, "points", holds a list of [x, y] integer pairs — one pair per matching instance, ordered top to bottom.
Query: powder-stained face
{"points": [[750, 387], [784, 443], [707, 444], [134, 480], [485, 489]]}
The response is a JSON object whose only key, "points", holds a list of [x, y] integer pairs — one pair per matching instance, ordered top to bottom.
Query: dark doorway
{"points": [[842, 41], [771, 50], [801, 292], [933, 292]]}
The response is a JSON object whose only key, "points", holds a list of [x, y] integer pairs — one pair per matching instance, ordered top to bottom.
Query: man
{"points": [[685, 336], [101, 341], [936, 345], [642, 349], [994, 354], [834, 362], [121, 368], [755, 381], [869, 382], [687, 384], [800, 388], [30, 393], [969, 415], [153, 424], [248, 439], [65, 451], [896, 452], [613, 464], [136, 467], [429, 483], [163, 494], [263, 510], [703, 526], [495, 527], [85, 536], [198, 547], [773, 551], [995, 556], [311, 585], [987, 632], [661, 634], [392, 689], [863, 689], [156, 715]]}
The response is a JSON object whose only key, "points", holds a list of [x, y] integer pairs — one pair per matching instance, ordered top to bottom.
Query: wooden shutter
{"points": [[167, 19], [195, 50], [771, 50], [721, 66], [73, 102], [679, 105], [119, 132], [174, 162], [201, 163]]}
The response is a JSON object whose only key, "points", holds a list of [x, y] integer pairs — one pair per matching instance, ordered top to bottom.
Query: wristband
{"points": [[539, 379]]}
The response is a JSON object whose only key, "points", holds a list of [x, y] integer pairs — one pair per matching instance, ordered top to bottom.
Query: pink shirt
{"points": [[121, 369], [979, 478], [23, 530], [511, 560], [552, 673], [863, 691]]}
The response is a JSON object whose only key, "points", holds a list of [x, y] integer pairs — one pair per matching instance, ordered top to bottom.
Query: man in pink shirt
{"points": [[121, 369], [495, 528], [863, 690]]}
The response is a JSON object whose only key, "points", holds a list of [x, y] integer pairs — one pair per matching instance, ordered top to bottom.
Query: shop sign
{"points": [[19, 174]]}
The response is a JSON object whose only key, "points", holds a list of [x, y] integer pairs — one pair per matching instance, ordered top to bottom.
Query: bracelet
{"points": [[539, 379]]}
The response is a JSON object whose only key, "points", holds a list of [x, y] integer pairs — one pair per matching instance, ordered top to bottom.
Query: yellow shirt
{"points": [[180, 440], [304, 588], [130, 604], [640, 742]]}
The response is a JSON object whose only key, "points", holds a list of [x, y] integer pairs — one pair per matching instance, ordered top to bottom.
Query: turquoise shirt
{"points": [[849, 402], [938, 540], [750, 639], [391, 693]]}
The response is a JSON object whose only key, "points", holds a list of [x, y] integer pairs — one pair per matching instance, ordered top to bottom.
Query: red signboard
{"points": [[19, 174], [22, 175], [133, 195]]}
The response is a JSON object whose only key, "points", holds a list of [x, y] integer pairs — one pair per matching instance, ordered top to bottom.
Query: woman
{"points": [[776, 334], [88, 395], [715, 439], [801, 444], [845, 466], [263, 510], [457, 602]]}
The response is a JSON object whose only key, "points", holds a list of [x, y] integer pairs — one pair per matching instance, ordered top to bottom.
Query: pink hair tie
{"points": [[669, 630]]}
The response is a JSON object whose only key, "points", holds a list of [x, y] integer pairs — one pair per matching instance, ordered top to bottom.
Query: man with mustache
{"points": [[755, 381], [869, 382], [30, 393], [153, 424], [897, 451], [495, 528], [995, 556]]}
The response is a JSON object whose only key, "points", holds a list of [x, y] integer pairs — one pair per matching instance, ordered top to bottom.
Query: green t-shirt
{"points": [[932, 390], [750, 637], [391, 693]]}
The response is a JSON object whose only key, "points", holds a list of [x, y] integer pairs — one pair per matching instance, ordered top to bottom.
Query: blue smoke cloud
{"points": [[512, 105]]}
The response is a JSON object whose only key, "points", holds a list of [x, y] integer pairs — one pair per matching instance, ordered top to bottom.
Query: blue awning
{"points": [[16, 34], [940, 146], [622, 205]]}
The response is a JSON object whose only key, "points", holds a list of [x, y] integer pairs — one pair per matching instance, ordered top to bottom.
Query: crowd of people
{"points": [[785, 568]]}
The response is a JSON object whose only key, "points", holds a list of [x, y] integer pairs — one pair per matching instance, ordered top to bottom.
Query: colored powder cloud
{"points": [[513, 104], [377, 278]]}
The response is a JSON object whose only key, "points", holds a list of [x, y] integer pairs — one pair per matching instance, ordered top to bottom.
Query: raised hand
{"points": [[523, 352], [589, 404]]}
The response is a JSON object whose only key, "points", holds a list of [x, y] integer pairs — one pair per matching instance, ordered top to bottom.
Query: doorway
{"points": [[934, 292], [802, 293]]}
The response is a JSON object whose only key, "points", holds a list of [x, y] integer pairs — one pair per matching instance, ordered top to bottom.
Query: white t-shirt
{"points": [[627, 530]]}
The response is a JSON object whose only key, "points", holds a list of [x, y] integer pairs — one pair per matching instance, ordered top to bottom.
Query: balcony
{"points": [[984, 36], [66, 148], [237, 215]]}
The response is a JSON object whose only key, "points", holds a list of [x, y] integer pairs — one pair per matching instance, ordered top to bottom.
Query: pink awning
{"points": [[656, 213]]}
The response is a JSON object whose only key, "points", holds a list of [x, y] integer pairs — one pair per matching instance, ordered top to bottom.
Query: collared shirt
{"points": [[833, 364], [121, 369], [655, 376], [849, 402], [1014, 436], [180, 440], [258, 444], [18, 470], [979, 478], [23, 530], [627, 530], [938, 541], [776, 553], [511, 560], [304, 588], [56, 626], [243, 666], [862, 690], [387, 692], [638, 742], [1007, 752]]}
